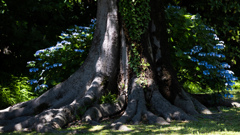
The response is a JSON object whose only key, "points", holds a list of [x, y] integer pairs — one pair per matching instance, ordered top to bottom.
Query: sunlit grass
{"points": [[224, 123]]}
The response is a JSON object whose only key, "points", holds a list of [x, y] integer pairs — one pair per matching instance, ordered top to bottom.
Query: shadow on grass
{"points": [[226, 122]]}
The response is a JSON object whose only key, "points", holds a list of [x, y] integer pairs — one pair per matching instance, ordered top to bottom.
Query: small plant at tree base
{"points": [[52, 64], [108, 98], [80, 112]]}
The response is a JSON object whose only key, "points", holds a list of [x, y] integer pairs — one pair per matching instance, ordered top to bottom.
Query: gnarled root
{"points": [[136, 109], [95, 113], [50, 119]]}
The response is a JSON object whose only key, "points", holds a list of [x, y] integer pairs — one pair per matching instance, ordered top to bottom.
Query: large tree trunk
{"points": [[106, 69]]}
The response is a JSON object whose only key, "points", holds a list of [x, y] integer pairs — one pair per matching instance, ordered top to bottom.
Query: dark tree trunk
{"points": [[106, 69]]}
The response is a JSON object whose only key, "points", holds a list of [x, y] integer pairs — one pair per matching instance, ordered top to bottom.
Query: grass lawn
{"points": [[226, 122]]}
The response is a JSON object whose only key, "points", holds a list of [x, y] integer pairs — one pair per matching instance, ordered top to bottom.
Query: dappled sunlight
{"points": [[223, 123]]}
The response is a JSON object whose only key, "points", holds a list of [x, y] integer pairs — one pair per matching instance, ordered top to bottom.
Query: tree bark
{"points": [[106, 69]]}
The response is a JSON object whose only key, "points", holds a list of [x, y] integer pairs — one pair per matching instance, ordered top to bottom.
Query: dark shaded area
{"points": [[27, 26], [168, 82], [213, 100], [41, 108]]}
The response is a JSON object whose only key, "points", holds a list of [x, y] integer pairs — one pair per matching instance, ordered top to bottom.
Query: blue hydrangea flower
{"points": [[93, 21], [84, 28], [71, 29], [210, 29], [75, 33], [65, 35], [81, 40], [65, 42], [221, 42], [219, 46], [51, 48], [78, 50], [39, 52], [202, 54], [212, 54], [220, 56], [194, 59], [31, 62], [202, 63], [45, 64], [59, 64], [225, 65], [209, 66], [49, 67], [33, 69], [206, 72], [32, 81], [229, 83], [43, 86], [37, 88], [229, 88], [228, 95]]}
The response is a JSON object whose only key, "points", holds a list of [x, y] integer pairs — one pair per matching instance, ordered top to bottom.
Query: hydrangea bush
{"points": [[199, 57], [57, 63]]}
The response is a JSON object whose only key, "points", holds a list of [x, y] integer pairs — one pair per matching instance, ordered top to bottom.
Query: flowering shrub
{"points": [[198, 53], [56, 63]]}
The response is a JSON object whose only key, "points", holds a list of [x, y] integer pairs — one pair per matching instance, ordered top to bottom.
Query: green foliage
{"points": [[3, 6], [136, 16], [223, 16], [188, 32], [184, 34], [134, 59], [57, 63], [237, 85], [14, 90], [108, 98], [80, 112]]}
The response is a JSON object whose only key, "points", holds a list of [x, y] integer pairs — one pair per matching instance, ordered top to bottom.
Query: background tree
{"points": [[130, 57]]}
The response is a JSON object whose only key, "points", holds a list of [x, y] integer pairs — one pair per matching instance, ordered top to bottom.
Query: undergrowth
{"points": [[14, 90]]}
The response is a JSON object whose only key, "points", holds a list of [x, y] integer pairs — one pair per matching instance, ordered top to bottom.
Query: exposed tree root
{"points": [[136, 109], [166, 109], [95, 113], [51, 119]]}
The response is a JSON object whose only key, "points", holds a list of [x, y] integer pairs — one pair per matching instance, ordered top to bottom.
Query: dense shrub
{"points": [[198, 53], [57, 63]]}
